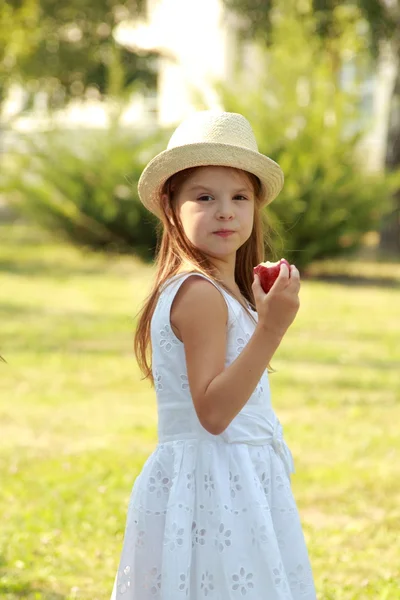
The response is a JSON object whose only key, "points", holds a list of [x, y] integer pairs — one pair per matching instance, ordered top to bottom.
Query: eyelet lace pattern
{"points": [[212, 517]]}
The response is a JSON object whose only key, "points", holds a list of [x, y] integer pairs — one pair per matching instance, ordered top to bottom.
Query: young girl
{"points": [[211, 514]]}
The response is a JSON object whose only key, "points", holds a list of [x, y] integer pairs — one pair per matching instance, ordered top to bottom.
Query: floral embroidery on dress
{"points": [[167, 340], [241, 342], [157, 381], [184, 382], [190, 480], [265, 482], [208, 483], [234, 483], [159, 484], [283, 485], [212, 517], [258, 534], [198, 535], [174, 536], [223, 538], [281, 538], [140, 539], [280, 578], [300, 579], [184, 580], [124, 581], [152, 581], [243, 581], [207, 583]]}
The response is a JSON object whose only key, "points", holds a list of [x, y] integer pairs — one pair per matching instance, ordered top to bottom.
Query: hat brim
{"points": [[203, 154]]}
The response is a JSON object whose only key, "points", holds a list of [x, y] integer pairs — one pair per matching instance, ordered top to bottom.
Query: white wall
{"points": [[199, 41]]}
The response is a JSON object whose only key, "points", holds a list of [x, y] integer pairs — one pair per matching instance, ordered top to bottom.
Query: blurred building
{"points": [[196, 42], [198, 46]]}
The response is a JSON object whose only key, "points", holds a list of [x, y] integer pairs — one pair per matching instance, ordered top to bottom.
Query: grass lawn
{"points": [[77, 423]]}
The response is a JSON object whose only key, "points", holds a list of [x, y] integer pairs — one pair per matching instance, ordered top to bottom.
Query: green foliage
{"points": [[255, 17], [382, 17], [67, 48], [313, 130], [83, 186]]}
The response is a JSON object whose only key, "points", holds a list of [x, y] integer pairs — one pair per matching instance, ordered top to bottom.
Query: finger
{"points": [[294, 268], [283, 272], [294, 272], [294, 278], [282, 281], [256, 286], [258, 291]]}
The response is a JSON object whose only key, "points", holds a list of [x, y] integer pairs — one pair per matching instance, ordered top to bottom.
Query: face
{"points": [[215, 198]]}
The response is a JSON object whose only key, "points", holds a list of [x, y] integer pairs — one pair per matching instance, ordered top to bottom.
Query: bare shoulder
{"points": [[197, 297], [200, 313]]}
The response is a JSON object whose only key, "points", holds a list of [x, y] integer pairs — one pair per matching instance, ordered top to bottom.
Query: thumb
{"points": [[256, 285]]}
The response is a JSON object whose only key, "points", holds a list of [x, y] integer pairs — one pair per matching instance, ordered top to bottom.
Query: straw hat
{"points": [[210, 138]]}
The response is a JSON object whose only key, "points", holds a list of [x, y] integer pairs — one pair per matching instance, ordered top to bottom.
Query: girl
{"points": [[211, 514]]}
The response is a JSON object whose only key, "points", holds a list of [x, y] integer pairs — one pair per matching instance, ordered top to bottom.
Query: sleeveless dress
{"points": [[212, 516]]}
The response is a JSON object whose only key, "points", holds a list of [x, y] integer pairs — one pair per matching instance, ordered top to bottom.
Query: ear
{"points": [[167, 208]]}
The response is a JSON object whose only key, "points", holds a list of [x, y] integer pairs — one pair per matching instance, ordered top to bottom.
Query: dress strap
{"points": [[176, 281], [171, 286]]}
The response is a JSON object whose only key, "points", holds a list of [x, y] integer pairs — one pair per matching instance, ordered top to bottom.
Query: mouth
{"points": [[224, 233]]}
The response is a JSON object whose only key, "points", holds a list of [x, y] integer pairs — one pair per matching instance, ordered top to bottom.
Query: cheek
{"points": [[192, 219], [248, 219], [193, 224], [197, 229]]}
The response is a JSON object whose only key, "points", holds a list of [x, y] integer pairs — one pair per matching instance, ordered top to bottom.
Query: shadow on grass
{"points": [[32, 251], [54, 252], [55, 270], [353, 280], [7, 309], [46, 332], [26, 590]]}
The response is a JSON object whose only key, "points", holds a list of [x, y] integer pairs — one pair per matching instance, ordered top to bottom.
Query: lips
{"points": [[224, 234]]}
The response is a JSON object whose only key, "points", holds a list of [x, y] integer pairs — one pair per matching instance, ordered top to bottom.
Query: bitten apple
{"points": [[268, 272]]}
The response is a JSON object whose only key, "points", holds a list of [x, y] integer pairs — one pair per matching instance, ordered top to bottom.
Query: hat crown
{"points": [[214, 127]]}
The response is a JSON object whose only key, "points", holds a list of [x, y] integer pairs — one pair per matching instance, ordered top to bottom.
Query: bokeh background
{"points": [[90, 90]]}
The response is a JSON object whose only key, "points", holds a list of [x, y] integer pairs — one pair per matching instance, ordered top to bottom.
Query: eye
{"points": [[205, 196], [241, 197]]}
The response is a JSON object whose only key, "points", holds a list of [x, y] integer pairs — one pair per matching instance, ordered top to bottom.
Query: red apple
{"points": [[268, 272]]}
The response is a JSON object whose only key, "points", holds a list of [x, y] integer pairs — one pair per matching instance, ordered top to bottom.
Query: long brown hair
{"points": [[174, 252]]}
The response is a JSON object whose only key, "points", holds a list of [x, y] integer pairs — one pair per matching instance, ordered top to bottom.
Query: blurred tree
{"points": [[383, 18], [67, 48], [308, 125], [84, 188]]}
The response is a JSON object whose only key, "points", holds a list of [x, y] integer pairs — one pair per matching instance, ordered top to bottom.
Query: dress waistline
{"points": [[247, 428]]}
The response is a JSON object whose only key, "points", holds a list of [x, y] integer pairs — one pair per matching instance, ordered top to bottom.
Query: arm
{"points": [[229, 391], [220, 393]]}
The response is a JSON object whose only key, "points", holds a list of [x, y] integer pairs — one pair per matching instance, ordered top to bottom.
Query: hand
{"points": [[278, 308]]}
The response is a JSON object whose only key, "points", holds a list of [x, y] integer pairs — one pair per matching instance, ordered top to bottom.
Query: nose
{"points": [[225, 210]]}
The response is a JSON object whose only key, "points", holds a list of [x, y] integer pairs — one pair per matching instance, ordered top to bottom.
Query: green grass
{"points": [[77, 423]]}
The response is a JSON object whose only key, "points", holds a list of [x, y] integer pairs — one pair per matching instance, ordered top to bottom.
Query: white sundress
{"points": [[212, 516]]}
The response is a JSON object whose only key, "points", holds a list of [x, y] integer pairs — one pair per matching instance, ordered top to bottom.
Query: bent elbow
{"points": [[212, 422], [215, 427], [214, 430]]}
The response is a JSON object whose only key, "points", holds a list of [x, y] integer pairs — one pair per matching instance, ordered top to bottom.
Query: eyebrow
{"points": [[205, 188]]}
